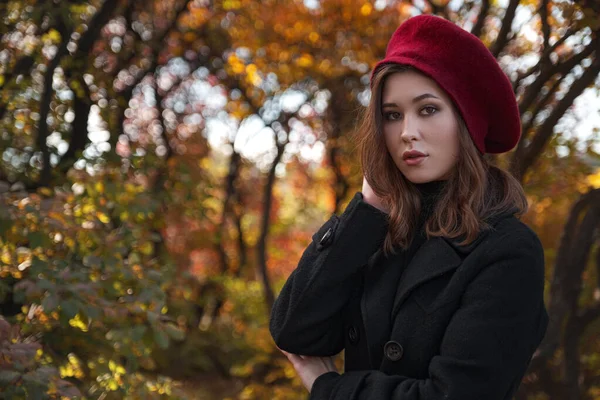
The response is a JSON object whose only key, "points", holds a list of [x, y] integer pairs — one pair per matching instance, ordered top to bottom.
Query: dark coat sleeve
{"points": [[306, 318], [487, 345]]}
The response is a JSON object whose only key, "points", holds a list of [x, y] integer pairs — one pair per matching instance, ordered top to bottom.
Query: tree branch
{"points": [[438, 10], [483, 12], [98, 21], [545, 25], [503, 36], [156, 46], [127, 60], [544, 63], [22, 67], [563, 67], [538, 107], [159, 108], [336, 111], [79, 128], [42, 134], [522, 162], [234, 164], [241, 242], [261, 246], [598, 264], [565, 276], [578, 320], [571, 365]]}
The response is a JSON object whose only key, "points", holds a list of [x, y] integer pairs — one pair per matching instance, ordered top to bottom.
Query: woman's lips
{"points": [[415, 160]]}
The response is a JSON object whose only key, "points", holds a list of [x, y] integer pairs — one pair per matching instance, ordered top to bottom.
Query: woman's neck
{"points": [[430, 189], [429, 193]]}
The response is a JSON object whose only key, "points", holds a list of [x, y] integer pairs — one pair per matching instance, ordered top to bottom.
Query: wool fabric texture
{"points": [[463, 67]]}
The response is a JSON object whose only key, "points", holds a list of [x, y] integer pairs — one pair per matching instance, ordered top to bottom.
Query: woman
{"points": [[428, 280]]}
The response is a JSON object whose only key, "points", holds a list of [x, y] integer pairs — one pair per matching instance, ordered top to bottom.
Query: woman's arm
{"points": [[307, 316], [487, 345]]}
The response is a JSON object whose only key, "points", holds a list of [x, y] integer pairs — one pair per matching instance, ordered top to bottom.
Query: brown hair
{"points": [[475, 191]]}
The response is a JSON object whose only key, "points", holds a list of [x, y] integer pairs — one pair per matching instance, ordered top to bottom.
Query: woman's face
{"points": [[420, 127]]}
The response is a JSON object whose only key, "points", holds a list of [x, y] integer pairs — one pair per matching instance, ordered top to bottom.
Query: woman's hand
{"points": [[371, 198], [310, 368]]}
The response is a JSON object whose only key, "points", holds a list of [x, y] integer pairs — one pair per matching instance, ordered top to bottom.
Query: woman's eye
{"points": [[429, 110], [392, 116]]}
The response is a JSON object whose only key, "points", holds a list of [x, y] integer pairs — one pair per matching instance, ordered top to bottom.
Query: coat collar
{"points": [[492, 221], [439, 255], [435, 257], [388, 284]]}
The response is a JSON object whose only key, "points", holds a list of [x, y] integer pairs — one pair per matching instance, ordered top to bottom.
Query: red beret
{"points": [[461, 65]]}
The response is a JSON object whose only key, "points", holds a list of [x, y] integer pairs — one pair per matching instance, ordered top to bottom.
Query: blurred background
{"points": [[163, 164]]}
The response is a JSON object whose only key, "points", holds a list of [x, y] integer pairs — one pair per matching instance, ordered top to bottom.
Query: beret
{"points": [[462, 66]]}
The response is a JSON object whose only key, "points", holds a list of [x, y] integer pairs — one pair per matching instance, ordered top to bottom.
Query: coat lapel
{"points": [[437, 256], [434, 258], [380, 279], [388, 283]]}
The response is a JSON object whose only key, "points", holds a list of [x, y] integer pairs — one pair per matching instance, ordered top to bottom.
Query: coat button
{"points": [[325, 238], [353, 334], [393, 350]]}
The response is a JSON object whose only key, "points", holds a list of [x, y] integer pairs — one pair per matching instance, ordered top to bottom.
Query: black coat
{"points": [[461, 323]]}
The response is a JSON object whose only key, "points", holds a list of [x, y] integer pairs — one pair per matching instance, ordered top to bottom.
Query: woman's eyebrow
{"points": [[416, 99]]}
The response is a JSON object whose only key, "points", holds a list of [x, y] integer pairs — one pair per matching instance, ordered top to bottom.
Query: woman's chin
{"points": [[419, 178]]}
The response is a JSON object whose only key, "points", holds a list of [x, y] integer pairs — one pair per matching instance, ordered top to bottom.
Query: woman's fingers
{"points": [[371, 198], [292, 357], [297, 358], [329, 362]]}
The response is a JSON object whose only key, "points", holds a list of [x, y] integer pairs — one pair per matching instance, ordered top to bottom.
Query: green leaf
{"points": [[5, 225], [37, 239], [92, 261], [37, 266], [45, 284], [4, 290], [18, 294], [146, 295], [50, 302], [69, 308], [91, 312], [152, 318], [137, 332], [175, 332], [161, 337], [8, 377]]}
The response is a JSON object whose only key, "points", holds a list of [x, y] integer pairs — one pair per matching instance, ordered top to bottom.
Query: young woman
{"points": [[428, 280]]}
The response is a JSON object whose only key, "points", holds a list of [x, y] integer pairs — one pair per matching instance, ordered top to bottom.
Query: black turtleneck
{"points": [[429, 193], [385, 271]]}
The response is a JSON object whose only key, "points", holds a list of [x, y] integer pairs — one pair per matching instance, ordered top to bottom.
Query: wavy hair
{"points": [[475, 191]]}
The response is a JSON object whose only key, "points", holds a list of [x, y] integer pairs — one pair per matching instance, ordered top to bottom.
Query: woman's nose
{"points": [[409, 130]]}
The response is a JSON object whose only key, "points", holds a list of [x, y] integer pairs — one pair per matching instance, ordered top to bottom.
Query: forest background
{"points": [[165, 162]]}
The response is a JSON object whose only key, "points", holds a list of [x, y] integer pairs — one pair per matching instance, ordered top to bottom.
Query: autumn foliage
{"points": [[164, 164]]}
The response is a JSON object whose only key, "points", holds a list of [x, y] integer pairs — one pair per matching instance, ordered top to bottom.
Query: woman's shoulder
{"points": [[513, 226], [510, 235]]}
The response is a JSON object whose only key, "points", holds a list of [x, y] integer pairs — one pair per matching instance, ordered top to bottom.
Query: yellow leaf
{"points": [[366, 9], [53, 36], [305, 61], [594, 180], [100, 187], [45, 191], [103, 217], [146, 248], [5, 257], [78, 323]]}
